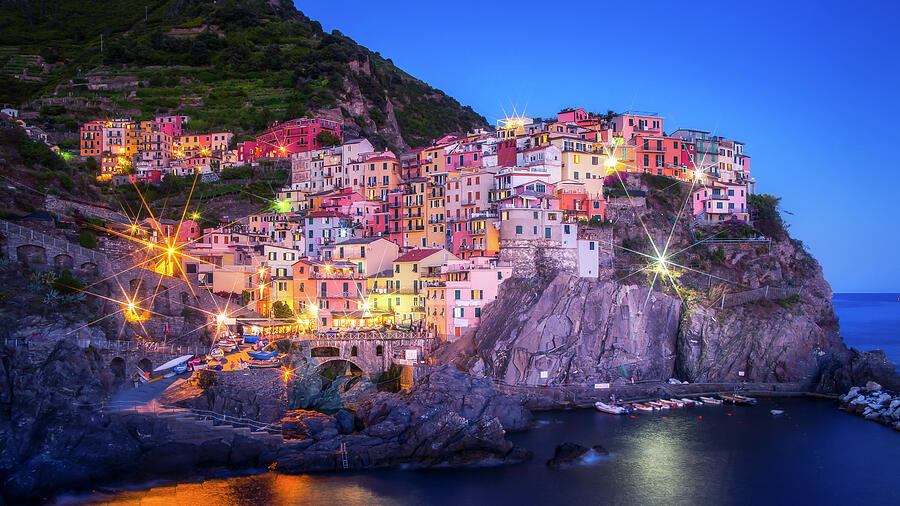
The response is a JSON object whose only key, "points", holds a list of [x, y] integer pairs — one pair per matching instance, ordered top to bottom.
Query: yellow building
{"points": [[436, 211], [414, 213], [401, 290]]}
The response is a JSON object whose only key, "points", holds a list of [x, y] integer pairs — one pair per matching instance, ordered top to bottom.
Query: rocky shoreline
{"points": [[873, 403]]}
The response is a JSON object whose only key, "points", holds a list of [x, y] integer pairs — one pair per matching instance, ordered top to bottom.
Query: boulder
{"points": [[872, 386], [302, 424], [572, 454]]}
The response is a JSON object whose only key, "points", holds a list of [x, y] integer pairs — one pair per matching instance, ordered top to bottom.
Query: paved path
{"points": [[145, 393]]}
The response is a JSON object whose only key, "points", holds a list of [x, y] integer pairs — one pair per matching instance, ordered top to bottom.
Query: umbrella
{"points": [[172, 363]]}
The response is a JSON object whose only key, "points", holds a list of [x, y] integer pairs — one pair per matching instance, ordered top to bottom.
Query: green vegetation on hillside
{"points": [[229, 64]]}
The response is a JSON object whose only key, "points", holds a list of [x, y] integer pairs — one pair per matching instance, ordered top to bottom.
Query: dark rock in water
{"points": [[344, 421], [599, 450], [572, 454]]}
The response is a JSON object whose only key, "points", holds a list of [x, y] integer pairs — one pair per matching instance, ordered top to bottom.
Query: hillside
{"points": [[229, 64]]}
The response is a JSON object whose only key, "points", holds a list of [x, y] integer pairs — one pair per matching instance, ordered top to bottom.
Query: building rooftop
{"points": [[418, 254]]}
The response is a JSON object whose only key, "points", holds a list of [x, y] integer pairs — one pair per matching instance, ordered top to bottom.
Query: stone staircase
{"points": [[187, 426]]}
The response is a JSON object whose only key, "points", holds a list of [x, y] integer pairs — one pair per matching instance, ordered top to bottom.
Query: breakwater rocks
{"points": [[873, 403]]}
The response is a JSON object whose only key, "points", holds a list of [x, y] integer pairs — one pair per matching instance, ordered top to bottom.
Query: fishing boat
{"points": [[250, 339], [227, 344], [217, 353], [262, 355], [265, 364], [180, 368], [744, 398], [736, 399], [711, 400], [691, 402], [667, 403], [678, 403], [656, 405], [642, 407], [607, 408], [777, 412]]}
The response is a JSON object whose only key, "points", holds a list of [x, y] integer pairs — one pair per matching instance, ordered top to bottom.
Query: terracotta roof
{"points": [[418, 254]]}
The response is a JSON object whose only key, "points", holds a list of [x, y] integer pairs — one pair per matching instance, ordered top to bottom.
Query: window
{"points": [[577, 158], [594, 160], [646, 160], [576, 174], [518, 229], [567, 229], [547, 232], [397, 268], [457, 294], [459, 312], [477, 312]]}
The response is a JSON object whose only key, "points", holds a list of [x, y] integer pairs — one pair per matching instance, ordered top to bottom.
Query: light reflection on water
{"points": [[700, 455]]}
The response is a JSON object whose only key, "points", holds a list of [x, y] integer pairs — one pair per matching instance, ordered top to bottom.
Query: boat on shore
{"points": [[262, 355], [265, 364], [711, 400], [677, 403], [610, 408], [777, 412]]}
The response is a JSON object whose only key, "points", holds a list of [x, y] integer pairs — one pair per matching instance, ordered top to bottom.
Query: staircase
{"points": [[187, 426]]}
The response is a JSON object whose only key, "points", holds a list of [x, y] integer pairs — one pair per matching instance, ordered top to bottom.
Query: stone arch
{"points": [[30, 253], [63, 262], [89, 268], [136, 289], [161, 300], [325, 352], [145, 364], [117, 367], [364, 368]]}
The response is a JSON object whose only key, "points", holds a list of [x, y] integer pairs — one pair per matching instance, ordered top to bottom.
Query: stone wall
{"points": [[69, 207], [533, 257]]}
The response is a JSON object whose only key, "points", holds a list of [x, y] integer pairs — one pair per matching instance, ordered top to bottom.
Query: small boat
{"points": [[251, 339], [227, 346], [217, 353], [262, 355], [265, 364], [180, 368], [737, 399], [711, 400], [749, 400], [691, 402], [668, 403], [679, 403], [655, 405], [642, 407], [606, 408], [777, 412]]}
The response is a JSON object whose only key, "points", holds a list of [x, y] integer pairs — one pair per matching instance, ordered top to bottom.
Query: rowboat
{"points": [[251, 339], [227, 345], [216, 353], [262, 355], [265, 364], [744, 398], [736, 399], [711, 400], [691, 402], [667, 403], [678, 403], [642, 407], [608, 408]]}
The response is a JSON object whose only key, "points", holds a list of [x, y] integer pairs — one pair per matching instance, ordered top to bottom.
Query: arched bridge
{"points": [[372, 352]]}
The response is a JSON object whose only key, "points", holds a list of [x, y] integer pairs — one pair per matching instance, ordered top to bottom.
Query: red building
{"points": [[294, 136]]}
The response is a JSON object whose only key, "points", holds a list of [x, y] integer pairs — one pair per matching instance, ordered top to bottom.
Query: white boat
{"points": [[217, 353], [172, 363], [711, 400], [688, 402], [677, 403], [664, 404], [642, 407], [609, 408], [777, 412]]}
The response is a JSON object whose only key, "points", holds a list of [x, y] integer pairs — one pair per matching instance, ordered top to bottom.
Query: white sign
{"points": [[412, 355], [741, 373], [544, 374], [603, 386]]}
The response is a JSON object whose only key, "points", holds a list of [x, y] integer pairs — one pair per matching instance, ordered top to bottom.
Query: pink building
{"points": [[571, 116], [637, 123], [172, 125], [283, 139], [468, 193], [721, 202], [454, 304]]}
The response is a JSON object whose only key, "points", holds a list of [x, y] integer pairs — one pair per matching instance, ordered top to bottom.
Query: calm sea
{"points": [[870, 321], [812, 454]]}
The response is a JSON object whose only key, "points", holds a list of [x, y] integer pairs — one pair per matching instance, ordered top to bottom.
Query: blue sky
{"points": [[811, 88]]}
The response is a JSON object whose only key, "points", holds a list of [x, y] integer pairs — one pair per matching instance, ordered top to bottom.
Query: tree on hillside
{"points": [[327, 138], [280, 309]]}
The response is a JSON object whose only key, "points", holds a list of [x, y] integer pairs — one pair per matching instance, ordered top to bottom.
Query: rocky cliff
{"points": [[732, 311]]}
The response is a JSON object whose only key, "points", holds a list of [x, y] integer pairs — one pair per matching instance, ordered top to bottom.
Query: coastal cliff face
{"points": [[713, 320]]}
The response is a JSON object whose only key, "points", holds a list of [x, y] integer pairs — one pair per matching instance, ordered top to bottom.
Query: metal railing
{"points": [[762, 293]]}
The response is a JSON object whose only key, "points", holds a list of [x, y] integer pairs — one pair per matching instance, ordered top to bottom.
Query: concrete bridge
{"points": [[371, 352]]}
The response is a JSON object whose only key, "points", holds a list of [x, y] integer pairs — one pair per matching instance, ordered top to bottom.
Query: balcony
{"points": [[333, 275]]}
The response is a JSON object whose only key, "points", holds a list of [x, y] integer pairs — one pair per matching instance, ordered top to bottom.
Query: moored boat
{"points": [[217, 353], [180, 368], [744, 398], [737, 399], [711, 400], [691, 402], [667, 403], [678, 403], [654, 404], [642, 407], [610, 408], [777, 412]]}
